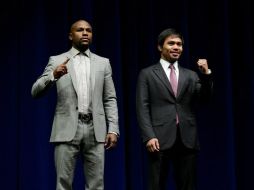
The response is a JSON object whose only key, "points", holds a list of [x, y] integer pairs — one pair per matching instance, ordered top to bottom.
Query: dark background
{"points": [[126, 32]]}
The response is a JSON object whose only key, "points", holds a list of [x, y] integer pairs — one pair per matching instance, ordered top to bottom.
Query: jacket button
{"points": [[76, 108]]}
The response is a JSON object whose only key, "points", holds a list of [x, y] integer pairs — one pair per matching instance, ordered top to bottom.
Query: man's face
{"points": [[81, 34], [171, 49]]}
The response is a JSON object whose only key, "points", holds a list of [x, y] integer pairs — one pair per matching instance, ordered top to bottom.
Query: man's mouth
{"points": [[84, 39], [175, 54]]}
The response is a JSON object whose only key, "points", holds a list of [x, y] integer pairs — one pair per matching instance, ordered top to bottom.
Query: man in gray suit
{"points": [[86, 114]]}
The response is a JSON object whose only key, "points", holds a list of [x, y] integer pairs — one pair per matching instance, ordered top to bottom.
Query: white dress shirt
{"points": [[165, 65], [82, 70]]}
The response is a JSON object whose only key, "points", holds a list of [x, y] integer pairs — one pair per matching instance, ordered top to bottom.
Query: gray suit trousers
{"points": [[92, 154]]}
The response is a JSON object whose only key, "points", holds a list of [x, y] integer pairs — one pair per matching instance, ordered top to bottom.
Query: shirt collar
{"points": [[75, 52], [165, 64]]}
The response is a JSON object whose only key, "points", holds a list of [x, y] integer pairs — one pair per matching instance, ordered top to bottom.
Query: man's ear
{"points": [[70, 36], [159, 48]]}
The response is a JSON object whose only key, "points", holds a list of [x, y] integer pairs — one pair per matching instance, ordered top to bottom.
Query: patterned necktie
{"points": [[173, 78], [83, 88]]}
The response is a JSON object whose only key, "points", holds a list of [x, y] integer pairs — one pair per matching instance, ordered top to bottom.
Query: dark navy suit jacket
{"points": [[156, 105]]}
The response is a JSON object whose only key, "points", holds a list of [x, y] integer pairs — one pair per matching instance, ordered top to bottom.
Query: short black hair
{"points": [[166, 33]]}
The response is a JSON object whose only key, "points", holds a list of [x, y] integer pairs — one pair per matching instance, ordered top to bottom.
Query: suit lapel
{"points": [[93, 66], [70, 68], [72, 73], [160, 73], [181, 81]]}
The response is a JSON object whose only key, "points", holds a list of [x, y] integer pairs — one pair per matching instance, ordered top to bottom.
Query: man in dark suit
{"points": [[166, 100], [86, 114]]}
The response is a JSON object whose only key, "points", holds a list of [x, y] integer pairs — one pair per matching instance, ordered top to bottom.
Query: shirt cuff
{"points": [[208, 72], [52, 78], [114, 133]]}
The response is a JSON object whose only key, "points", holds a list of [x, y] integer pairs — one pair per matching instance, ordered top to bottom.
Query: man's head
{"points": [[81, 35], [170, 44]]}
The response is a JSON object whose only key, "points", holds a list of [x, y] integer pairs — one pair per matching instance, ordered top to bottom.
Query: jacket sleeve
{"points": [[45, 81], [205, 88], [110, 101], [143, 107]]}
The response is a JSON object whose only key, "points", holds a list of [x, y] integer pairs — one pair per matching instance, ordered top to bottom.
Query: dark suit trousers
{"points": [[183, 161]]}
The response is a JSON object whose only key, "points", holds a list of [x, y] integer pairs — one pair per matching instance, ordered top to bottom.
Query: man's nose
{"points": [[176, 46]]}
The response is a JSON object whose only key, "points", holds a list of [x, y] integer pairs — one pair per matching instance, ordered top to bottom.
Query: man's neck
{"points": [[81, 49]]}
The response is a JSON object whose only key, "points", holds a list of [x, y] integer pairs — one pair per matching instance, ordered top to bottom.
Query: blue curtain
{"points": [[126, 32]]}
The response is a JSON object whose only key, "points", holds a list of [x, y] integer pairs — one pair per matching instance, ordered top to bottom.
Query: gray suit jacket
{"points": [[104, 104]]}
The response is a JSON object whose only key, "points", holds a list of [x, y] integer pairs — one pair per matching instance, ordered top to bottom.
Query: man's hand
{"points": [[203, 66], [61, 70], [111, 140], [153, 145]]}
